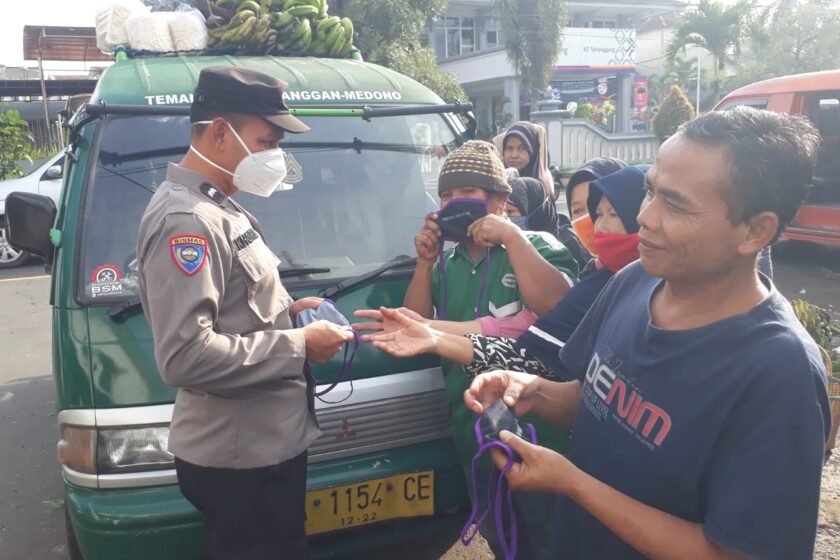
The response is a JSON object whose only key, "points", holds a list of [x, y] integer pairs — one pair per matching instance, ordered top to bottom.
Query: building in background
{"points": [[597, 62]]}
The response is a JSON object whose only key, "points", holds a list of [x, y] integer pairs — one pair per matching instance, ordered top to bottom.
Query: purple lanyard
{"points": [[441, 314], [345, 372], [503, 493]]}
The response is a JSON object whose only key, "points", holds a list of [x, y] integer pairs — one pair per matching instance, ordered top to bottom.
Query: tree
{"points": [[717, 28], [394, 34], [533, 36], [798, 37], [674, 110], [16, 144]]}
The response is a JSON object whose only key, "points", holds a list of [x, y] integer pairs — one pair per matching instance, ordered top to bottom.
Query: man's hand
{"points": [[492, 230], [427, 241], [305, 303], [384, 321], [324, 339], [412, 339], [515, 388], [539, 470]]}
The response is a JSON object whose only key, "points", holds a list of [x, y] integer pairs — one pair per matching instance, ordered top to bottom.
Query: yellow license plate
{"points": [[372, 501]]}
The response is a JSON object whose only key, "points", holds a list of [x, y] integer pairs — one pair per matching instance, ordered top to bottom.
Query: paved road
{"points": [[31, 521]]}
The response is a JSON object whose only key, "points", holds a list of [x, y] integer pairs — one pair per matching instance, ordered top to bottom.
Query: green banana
{"points": [[250, 5], [324, 8], [306, 11], [282, 20], [347, 24], [325, 25], [303, 28], [335, 41], [348, 46]]}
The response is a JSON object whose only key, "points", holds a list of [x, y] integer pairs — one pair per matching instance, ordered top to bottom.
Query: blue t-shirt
{"points": [[546, 337], [722, 425]]}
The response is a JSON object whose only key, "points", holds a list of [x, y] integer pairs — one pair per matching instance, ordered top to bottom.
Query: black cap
{"points": [[242, 90]]}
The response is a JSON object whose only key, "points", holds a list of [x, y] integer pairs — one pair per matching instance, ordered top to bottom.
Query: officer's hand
{"points": [[427, 241], [305, 303], [324, 339]]}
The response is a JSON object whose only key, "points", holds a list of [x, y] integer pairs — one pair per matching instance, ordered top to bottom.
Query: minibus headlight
{"points": [[134, 449]]}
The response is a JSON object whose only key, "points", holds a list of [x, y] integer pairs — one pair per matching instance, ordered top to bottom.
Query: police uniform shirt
{"points": [[222, 329]]}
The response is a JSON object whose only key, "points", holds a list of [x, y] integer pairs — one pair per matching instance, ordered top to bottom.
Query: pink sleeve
{"points": [[508, 327]]}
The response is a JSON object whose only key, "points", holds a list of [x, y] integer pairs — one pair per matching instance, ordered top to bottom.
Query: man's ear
{"points": [[218, 131], [760, 231]]}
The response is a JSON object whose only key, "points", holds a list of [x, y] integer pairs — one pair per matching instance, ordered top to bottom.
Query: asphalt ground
{"points": [[31, 506]]}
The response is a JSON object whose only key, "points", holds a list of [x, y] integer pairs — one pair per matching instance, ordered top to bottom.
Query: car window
{"points": [[754, 103], [360, 192]]}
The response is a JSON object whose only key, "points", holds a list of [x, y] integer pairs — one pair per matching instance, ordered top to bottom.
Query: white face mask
{"points": [[259, 173]]}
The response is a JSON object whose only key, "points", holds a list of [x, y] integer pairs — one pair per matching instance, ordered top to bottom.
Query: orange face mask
{"points": [[585, 230]]}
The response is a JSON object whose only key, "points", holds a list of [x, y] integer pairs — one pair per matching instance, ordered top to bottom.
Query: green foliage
{"points": [[717, 28], [393, 33], [533, 35], [794, 37], [421, 65], [674, 110], [598, 116], [16, 144], [820, 326]]}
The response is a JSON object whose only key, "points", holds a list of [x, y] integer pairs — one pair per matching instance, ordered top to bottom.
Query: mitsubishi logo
{"points": [[345, 432]]}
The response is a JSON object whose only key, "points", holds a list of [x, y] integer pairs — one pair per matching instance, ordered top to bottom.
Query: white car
{"points": [[45, 180]]}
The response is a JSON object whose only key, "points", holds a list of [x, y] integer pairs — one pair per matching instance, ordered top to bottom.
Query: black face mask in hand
{"points": [[458, 215]]}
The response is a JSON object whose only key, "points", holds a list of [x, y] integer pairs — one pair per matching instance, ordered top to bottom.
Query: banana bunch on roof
{"points": [[277, 26]]}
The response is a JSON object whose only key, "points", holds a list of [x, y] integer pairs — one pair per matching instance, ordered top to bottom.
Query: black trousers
{"points": [[250, 514]]}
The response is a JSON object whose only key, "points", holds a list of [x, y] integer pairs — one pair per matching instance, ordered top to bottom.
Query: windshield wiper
{"points": [[301, 271], [353, 281], [120, 311]]}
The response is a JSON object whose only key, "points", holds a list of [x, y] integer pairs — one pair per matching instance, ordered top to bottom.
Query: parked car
{"points": [[815, 95], [44, 180], [385, 468]]}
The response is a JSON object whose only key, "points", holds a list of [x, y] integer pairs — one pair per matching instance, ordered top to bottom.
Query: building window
{"points": [[601, 24], [490, 29], [455, 36]]}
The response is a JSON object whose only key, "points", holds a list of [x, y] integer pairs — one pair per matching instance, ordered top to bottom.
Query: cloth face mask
{"points": [[259, 173], [458, 215], [585, 230], [616, 250], [328, 312]]}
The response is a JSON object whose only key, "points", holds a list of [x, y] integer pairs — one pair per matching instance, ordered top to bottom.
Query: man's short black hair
{"points": [[772, 158]]}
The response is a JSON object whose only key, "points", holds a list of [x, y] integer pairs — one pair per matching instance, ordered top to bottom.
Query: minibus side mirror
{"points": [[29, 219]]}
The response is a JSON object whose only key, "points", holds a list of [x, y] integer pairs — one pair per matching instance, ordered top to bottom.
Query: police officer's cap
{"points": [[233, 89]]}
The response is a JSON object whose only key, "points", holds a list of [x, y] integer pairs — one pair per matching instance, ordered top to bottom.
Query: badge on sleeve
{"points": [[189, 252]]}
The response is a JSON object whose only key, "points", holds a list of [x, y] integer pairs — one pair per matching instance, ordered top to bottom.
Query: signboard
{"points": [[590, 47], [595, 91]]}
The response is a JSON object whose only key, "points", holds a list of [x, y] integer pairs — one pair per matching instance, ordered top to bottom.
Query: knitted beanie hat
{"points": [[475, 164]]}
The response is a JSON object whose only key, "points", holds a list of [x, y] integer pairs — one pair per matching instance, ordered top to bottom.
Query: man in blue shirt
{"points": [[698, 402]]}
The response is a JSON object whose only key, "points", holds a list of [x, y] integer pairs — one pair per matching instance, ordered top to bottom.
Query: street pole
{"points": [[44, 90], [697, 106]]}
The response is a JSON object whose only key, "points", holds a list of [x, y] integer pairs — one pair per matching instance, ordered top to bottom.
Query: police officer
{"points": [[222, 324]]}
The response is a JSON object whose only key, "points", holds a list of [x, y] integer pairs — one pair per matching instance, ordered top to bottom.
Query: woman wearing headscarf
{"points": [[525, 149], [577, 192], [613, 203], [530, 208]]}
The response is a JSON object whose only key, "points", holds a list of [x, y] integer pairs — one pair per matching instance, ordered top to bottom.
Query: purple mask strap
{"points": [[483, 283], [441, 311]]}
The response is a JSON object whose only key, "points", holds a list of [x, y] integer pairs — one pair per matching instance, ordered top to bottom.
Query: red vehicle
{"points": [[817, 96]]}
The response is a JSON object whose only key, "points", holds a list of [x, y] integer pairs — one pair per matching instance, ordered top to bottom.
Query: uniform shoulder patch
{"points": [[189, 252]]}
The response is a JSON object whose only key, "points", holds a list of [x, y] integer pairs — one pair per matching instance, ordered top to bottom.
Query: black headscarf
{"points": [[589, 171], [530, 198]]}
